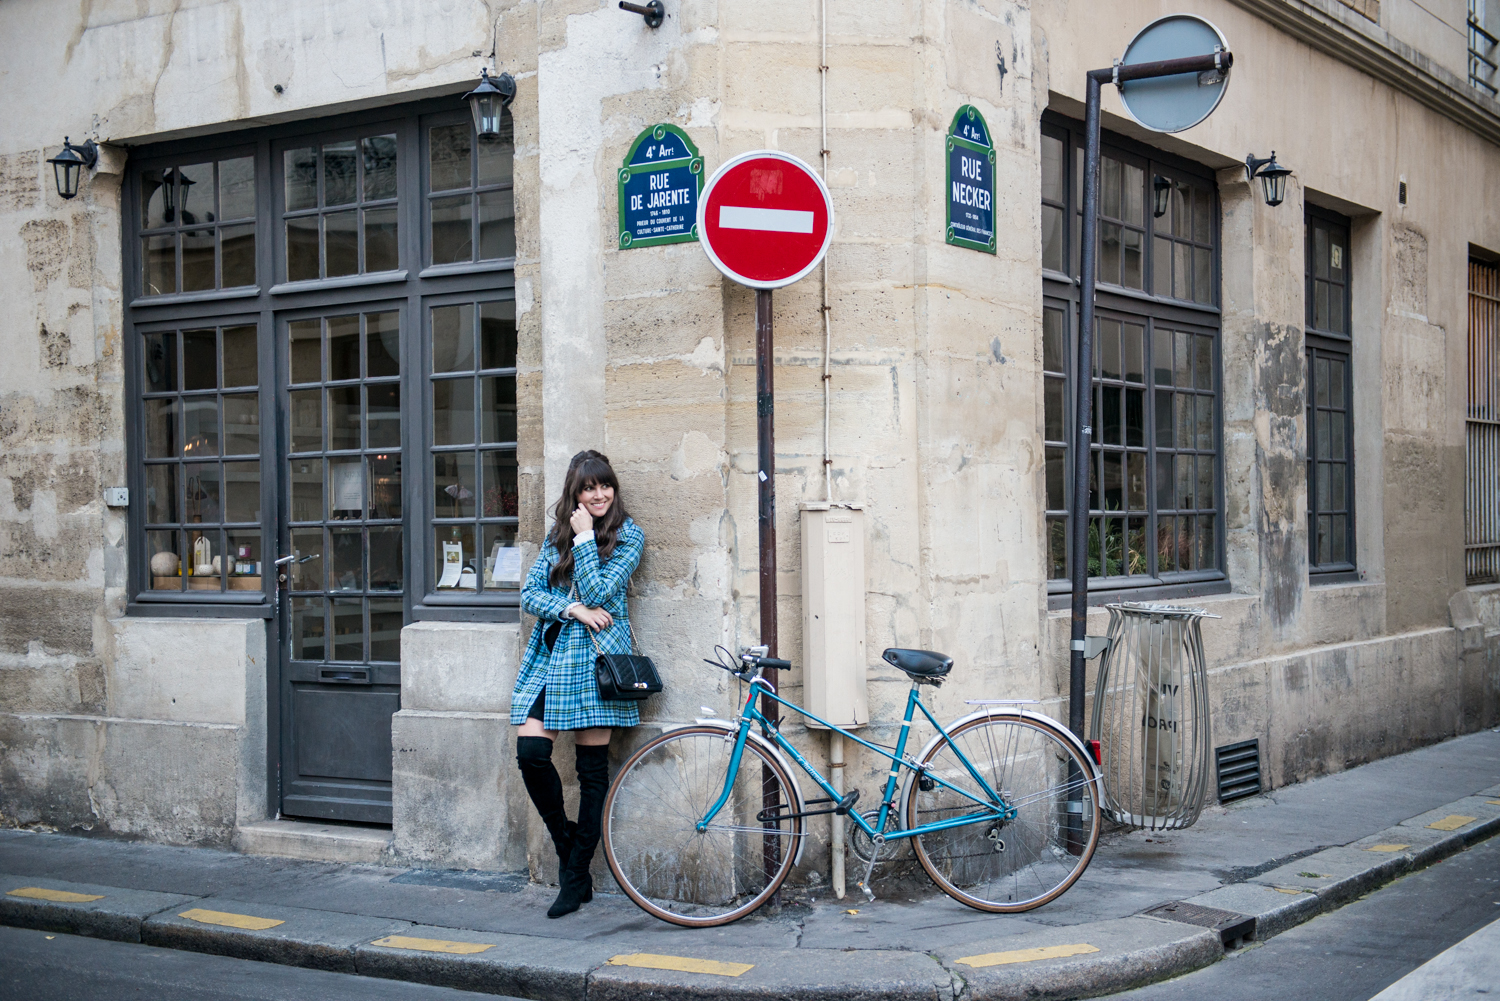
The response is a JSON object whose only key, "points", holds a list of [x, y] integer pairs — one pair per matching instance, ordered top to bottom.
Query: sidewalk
{"points": [[1261, 865]]}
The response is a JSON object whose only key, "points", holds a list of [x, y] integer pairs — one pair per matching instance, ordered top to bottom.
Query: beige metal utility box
{"points": [[833, 613]]}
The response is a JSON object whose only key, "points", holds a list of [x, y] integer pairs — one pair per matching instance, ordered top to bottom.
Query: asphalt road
{"points": [[1354, 953], [38, 966]]}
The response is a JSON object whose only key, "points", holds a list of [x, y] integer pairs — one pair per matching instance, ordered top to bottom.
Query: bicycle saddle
{"points": [[924, 665]]}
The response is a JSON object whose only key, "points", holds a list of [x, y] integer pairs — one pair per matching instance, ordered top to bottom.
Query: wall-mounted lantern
{"points": [[653, 12], [488, 102], [68, 165], [1272, 177], [1161, 190]]}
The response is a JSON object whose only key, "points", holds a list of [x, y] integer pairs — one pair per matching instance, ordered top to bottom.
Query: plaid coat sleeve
{"points": [[538, 597]]}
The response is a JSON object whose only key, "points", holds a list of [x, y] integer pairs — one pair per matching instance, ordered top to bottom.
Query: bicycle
{"points": [[703, 823]]}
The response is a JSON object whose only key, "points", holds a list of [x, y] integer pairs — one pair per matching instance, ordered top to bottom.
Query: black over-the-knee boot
{"points": [[544, 786], [576, 886]]}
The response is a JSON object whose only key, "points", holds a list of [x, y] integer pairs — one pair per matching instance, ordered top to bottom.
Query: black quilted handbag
{"points": [[625, 677]]}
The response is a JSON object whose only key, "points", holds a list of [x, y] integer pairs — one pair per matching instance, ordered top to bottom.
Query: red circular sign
{"points": [[765, 219]]}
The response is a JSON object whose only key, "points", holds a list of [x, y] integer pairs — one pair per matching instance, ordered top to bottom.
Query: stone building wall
{"points": [[648, 354]]}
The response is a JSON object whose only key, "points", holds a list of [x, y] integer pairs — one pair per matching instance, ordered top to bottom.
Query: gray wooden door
{"points": [[344, 600]]}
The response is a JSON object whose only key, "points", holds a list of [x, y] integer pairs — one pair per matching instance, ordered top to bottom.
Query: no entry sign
{"points": [[765, 219]]}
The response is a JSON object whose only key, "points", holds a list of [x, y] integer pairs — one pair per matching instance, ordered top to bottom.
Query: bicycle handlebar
{"points": [[748, 660]]}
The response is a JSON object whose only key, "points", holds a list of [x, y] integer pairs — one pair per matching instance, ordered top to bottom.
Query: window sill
{"points": [[468, 268], [352, 281], [178, 298], [1323, 578], [1164, 591], [259, 608], [471, 610]]}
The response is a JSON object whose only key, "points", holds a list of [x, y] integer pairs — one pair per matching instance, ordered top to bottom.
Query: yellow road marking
{"points": [[1493, 802], [1452, 822], [1387, 848], [1282, 889], [60, 896], [229, 920], [431, 945], [1028, 955], [682, 964]]}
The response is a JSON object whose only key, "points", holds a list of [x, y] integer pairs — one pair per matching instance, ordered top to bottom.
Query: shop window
{"points": [[471, 208], [341, 215], [197, 226], [1330, 387], [1154, 493]]}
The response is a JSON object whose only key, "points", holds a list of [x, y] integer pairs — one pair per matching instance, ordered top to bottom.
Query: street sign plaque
{"points": [[1178, 102], [971, 182], [659, 187], [765, 219]]}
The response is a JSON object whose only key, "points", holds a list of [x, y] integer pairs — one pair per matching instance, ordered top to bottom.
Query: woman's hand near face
{"points": [[581, 521], [595, 618]]}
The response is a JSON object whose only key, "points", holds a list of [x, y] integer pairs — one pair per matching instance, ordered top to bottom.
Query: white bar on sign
{"points": [[772, 220]]}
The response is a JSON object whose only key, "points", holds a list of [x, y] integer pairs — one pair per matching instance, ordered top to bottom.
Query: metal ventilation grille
{"points": [[1239, 770]]}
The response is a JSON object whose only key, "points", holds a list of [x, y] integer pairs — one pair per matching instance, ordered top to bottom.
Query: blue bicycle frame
{"points": [[995, 808]]}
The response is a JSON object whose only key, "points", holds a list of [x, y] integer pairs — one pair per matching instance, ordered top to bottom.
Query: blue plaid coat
{"points": [[567, 674]]}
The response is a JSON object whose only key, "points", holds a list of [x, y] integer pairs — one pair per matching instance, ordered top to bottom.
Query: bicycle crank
{"points": [[864, 847]]}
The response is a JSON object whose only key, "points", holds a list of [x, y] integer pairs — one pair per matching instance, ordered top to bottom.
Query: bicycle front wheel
{"points": [[1028, 860], [664, 863]]}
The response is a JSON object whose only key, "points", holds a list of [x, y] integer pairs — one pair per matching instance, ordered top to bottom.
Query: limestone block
{"points": [[460, 666], [187, 670], [456, 798]]}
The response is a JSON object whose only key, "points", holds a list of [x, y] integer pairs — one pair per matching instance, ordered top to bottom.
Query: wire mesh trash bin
{"points": [[1151, 716]]}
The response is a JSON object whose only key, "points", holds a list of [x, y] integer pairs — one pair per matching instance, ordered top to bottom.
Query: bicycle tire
{"points": [[1028, 762], [663, 863]]}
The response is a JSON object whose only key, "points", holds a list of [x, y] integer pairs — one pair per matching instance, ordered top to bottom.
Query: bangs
{"points": [[595, 473]]}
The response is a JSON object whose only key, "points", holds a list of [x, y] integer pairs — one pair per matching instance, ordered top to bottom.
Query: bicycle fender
{"points": [[775, 752]]}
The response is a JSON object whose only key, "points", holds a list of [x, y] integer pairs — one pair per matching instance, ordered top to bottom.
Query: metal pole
{"points": [[765, 437]]}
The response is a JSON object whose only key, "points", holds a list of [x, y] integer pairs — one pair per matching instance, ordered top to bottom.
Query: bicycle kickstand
{"points": [[864, 884]]}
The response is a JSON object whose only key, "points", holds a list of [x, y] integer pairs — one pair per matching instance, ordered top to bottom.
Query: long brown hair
{"points": [[586, 469]]}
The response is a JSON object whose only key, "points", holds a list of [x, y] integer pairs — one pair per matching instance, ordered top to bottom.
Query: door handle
{"points": [[281, 577]]}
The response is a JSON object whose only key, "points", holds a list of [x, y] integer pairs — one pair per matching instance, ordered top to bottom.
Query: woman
{"points": [[576, 590]]}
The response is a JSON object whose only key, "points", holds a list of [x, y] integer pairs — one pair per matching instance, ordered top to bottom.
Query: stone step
{"points": [[315, 842]]}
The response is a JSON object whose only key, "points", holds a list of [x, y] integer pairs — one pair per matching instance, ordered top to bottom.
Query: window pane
{"points": [[448, 151], [495, 156], [380, 167], [1052, 168], [301, 169], [340, 173], [1132, 180], [1109, 186], [237, 188], [195, 194], [154, 198], [1181, 209], [1203, 215], [497, 225], [1052, 238], [380, 239], [452, 239], [341, 244], [302, 248], [1320, 251], [1109, 253], [1132, 259], [197, 260], [159, 264], [1182, 266], [1161, 267], [1203, 288], [1320, 305], [1336, 309], [497, 334], [1133, 337], [453, 338], [1052, 340], [382, 344], [343, 347], [1109, 348], [306, 350], [160, 356], [1161, 356], [200, 359], [1203, 362], [241, 367], [1183, 375], [1336, 380], [1320, 381], [1053, 391], [453, 412], [498, 413], [383, 415], [343, 417], [1109, 417], [1135, 418], [1163, 419], [307, 420], [1185, 420], [242, 424], [1205, 425], [200, 426], [161, 428], [1336, 433], [498, 469], [306, 476], [1324, 478], [1055, 479], [453, 480], [1135, 481], [1164, 481], [1186, 482], [385, 485], [346, 488], [242, 491], [161, 493], [1205, 495], [201, 496], [1337, 498], [1339, 538], [1135, 541], [1325, 541], [1166, 545], [1185, 547], [1057, 548], [454, 549], [347, 553], [1207, 555], [385, 558], [243, 559], [165, 560], [502, 561], [308, 570], [386, 618], [308, 629], [348, 629]]}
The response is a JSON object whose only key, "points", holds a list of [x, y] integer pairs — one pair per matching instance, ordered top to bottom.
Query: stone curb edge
{"points": [[1077, 976]]}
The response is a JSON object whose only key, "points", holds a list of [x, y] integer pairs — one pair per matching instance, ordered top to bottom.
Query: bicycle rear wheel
{"points": [[660, 859], [1031, 859]]}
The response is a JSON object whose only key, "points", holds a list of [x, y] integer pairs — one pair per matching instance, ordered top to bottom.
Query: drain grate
{"points": [[1239, 770], [1234, 929]]}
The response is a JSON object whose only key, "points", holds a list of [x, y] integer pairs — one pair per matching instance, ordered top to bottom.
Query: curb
{"points": [[1052, 963]]}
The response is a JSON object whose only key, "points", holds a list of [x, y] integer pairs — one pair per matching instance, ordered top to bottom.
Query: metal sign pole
{"points": [[765, 440]]}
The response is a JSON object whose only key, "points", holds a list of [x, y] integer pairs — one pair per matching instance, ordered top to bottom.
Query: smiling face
{"points": [[596, 498]]}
